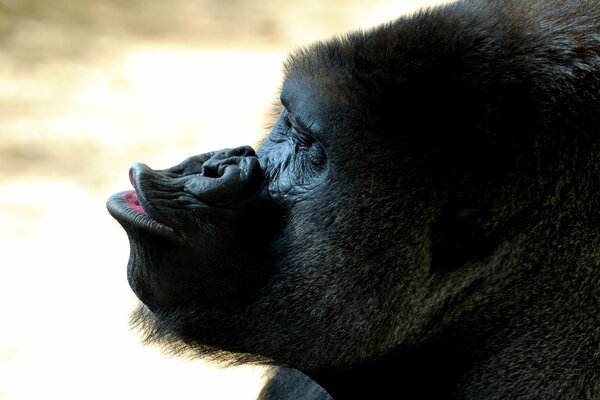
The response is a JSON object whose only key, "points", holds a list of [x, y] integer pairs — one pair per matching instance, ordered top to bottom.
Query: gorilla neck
{"points": [[516, 344], [525, 366], [426, 372]]}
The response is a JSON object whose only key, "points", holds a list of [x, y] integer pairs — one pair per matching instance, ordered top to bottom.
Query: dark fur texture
{"points": [[424, 217], [290, 384]]}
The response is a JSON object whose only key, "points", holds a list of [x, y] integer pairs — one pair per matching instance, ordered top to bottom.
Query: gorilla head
{"points": [[423, 215]]}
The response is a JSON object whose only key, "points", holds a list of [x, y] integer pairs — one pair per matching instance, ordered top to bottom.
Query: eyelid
{"points": [[298, 123], [302, 134], [304, 138]]}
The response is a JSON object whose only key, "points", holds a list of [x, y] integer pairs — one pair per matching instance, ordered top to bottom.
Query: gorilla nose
{"points": [[215, 166], [226, 176], [217, 178]]}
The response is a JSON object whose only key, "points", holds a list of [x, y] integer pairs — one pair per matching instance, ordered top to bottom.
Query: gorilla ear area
{"points": [[424, 209]]}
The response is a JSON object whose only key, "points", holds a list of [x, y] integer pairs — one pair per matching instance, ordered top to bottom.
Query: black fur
{"points": [[422, 219], [289, 384]]}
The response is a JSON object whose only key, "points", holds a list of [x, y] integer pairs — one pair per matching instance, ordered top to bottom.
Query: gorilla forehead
{"points": [[486, 43], [397, 52], [493, 72], [384, 74]]}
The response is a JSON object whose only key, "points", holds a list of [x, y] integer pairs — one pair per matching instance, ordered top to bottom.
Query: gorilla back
{"points": [[423, 217]]}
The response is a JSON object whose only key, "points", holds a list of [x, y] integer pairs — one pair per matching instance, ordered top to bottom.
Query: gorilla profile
{"points": [[422, 220]]}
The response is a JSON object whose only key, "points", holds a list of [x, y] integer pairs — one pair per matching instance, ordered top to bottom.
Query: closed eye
{"points": [[299, 132], [302, 138]]}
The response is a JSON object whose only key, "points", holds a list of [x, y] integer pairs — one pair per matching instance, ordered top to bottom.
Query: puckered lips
{"points": [[128, 208]]}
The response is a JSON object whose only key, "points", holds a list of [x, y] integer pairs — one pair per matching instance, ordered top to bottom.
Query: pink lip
{"points": [[133, 202]]}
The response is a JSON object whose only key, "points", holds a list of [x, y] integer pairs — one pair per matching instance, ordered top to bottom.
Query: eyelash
{"points": [[298, 135], [302, 138], [305, 141]]}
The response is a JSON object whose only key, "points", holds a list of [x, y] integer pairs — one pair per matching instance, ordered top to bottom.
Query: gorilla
{"points": [[423, 219]]}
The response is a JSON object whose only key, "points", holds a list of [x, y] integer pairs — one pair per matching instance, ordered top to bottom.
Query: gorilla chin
{"points": [[421, 220]]}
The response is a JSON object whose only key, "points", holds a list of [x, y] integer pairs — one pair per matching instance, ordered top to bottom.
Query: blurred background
{"points": [[86, 89]]}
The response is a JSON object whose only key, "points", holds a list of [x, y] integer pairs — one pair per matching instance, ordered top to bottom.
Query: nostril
{"points": [[246, 151], [215, 166], [211, 170], [221, 170]]}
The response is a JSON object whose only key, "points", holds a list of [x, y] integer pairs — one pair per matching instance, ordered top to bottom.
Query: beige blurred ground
{"points": [[86, 89]]}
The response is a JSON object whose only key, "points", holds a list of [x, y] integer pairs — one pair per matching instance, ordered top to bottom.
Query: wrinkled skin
{"points": [[422, 218]]}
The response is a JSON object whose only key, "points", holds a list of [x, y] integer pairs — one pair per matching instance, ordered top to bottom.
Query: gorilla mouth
{"points": [[133, 202], [127, 209]]}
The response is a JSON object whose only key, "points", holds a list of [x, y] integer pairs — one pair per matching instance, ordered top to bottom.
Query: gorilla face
{"points": [[422, 188], [244, 249], [316, 251]]}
